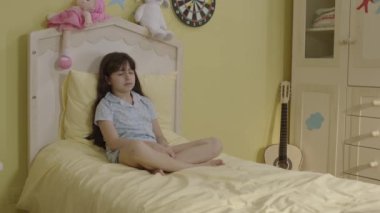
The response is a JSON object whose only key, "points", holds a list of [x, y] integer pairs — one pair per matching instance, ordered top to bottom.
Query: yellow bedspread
{"points": [[75, 177]]}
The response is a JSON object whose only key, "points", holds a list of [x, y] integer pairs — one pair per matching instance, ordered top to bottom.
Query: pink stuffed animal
{"points": [[83, 14]]}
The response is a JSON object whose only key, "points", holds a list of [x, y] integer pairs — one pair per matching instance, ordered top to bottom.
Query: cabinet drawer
{"points": [[363, 101], [363, 131], [361, 161], [367, 180]]}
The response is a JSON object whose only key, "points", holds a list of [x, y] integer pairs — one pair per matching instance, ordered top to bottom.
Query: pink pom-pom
{"points": [[64, 62]]}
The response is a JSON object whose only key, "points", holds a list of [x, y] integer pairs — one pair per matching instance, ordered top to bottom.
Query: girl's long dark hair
{"points": [[110, 63]]}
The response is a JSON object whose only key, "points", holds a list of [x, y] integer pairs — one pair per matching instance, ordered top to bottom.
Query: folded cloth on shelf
{"points": [[324, 10], [324, 17]]}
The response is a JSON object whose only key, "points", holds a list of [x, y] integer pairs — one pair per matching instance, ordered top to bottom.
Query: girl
{"points": [[125, 124]]}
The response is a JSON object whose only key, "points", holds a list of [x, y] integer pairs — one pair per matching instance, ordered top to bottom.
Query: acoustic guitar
{"points": [[284, 155]]}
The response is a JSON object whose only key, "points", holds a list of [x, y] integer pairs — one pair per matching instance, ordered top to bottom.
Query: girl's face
{"points": [[122, 81]]}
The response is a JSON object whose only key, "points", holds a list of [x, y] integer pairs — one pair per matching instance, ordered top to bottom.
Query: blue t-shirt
{"points": [[133, 122]]}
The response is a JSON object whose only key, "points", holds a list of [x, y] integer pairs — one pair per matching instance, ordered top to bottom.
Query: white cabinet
{"points": [[335, 85]]}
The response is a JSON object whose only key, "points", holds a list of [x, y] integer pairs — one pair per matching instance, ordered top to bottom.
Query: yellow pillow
{"points": [[160, 89], [79, 94]]}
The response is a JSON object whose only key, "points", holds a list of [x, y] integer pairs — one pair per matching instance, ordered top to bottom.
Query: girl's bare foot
{"points": [[215, 162], [155, 171]]}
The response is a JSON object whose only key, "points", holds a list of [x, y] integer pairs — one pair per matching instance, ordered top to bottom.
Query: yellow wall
{"points": [[232, 69]]}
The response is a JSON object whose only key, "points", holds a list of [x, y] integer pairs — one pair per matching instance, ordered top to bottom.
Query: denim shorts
{"points": [[112, 155]]}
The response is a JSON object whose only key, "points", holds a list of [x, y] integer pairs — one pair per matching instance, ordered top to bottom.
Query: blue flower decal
{"points": [[121, 3], [378, 9], [314, 121]]}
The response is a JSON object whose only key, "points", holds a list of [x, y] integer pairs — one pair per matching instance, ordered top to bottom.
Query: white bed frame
{"points": [[86, 49]]}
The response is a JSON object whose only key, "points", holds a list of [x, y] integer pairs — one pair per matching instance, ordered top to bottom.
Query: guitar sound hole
{"points": [[283, 164]]}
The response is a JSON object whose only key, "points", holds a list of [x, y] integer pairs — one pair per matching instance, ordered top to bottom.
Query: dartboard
{"points": [[194, 13]]}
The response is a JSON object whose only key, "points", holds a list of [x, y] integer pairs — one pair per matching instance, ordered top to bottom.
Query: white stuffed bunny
{"points": [[149, 15]]}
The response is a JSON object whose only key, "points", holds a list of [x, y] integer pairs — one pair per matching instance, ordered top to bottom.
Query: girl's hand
{"points": [[162, 148], [170, 151]]}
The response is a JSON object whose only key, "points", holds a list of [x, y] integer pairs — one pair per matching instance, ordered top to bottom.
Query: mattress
{"points": [[74, 176]]}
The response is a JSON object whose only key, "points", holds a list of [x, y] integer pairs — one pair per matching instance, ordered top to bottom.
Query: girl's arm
{"points": [[158, 133], [110, 135], [161, 138]]}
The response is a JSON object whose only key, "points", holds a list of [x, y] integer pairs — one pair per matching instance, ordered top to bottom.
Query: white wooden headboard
{"points": [[86, 49]]}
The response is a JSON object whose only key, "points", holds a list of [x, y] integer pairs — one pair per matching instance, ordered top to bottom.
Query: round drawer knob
{"points": [[376, 102], [375, 133], [373, 164]]}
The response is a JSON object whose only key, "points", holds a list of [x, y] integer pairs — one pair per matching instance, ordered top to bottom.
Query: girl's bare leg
{"points": [[198, 151], [140, 155]]}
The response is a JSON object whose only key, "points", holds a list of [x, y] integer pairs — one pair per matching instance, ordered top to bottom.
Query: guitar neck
{"points": [[282, 152]]}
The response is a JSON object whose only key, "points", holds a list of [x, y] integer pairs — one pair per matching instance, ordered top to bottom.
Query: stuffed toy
{"points": [[83, 14], [149, 15]]}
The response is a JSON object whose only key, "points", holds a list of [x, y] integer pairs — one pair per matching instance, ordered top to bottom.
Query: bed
{"points": [[69, 174]]}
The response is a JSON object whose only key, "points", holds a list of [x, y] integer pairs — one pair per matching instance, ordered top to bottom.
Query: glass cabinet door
{"points": [[319, 29], [319, 81]]}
